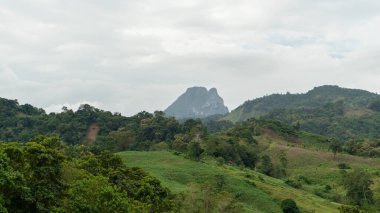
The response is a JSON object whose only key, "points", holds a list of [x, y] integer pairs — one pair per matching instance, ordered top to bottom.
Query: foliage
{"points": [[316, 98], [375, 105], [328, 110], [24, 122], [218, 126], [335, 146], [370, 148], [194, 150], [266, 165], [343, 166], [44, 175], [294, 183], [358, 185], [96, 194], [289, 206], [349, 209]]}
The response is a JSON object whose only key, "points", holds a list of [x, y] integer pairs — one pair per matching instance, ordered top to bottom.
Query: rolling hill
{"points": [[315, 98], [347, 114]]}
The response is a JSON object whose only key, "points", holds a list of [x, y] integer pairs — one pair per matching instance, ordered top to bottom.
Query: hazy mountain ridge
{"points": [[197, 102]]}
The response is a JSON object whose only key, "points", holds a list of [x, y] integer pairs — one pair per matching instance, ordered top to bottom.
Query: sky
{"points": [[133, 55]]}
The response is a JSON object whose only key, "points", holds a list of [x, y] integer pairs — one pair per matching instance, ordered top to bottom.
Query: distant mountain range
{"points": [[197, 102]]}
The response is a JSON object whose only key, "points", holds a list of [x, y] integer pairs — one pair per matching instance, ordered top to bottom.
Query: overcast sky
{"points": [[128, 56]]}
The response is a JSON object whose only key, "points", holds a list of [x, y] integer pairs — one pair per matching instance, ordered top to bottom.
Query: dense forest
{"points": [[45, 175]]}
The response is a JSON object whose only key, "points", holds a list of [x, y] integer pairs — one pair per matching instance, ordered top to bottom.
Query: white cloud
{"points": [[129, 56]]}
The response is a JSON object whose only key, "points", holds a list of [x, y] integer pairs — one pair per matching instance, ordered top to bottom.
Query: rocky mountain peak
{"points": [[197, 102]]}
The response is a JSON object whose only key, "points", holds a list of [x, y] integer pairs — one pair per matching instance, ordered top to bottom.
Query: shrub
{"points": [[220, 161], [343, 166], [304, 179], [251, 183], [294, 183], [327, 188], [289, 206], [349, 209]]}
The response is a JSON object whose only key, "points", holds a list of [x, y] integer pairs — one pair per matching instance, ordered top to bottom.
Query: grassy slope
{"points": [[318, 165], [177, 173]]}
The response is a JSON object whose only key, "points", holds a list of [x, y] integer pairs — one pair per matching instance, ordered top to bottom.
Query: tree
{"points": [[375, 106], [180, 143], [335, 146], [194, 150], [248, 156], [45, 160], [283, 160], [266, 165], [358, 185], [14, 192], [95, 194], [289, 206], [349, 209]]}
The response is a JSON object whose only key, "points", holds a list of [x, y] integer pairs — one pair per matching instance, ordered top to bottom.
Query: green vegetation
{"points": [[316, 98], [351, 116], [24, 122], [268, 164], [44, 175], [358, 185], [254, 191], [289, 206]]}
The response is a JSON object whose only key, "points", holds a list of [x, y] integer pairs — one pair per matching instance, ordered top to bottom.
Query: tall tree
{"points": [[335, 146], [194, 150], [266, 165], [358, 185]]}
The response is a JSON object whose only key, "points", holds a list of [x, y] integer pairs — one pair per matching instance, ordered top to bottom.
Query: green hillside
{"points": [[315, 98], [346, 114], [333, 120], [179, 174]]}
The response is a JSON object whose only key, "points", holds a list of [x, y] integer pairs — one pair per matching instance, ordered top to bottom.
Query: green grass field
{"points": [[178, 173]]}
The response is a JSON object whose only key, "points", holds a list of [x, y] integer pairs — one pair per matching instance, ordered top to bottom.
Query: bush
{"points": [[194, 150], [220, 161], [343, 166], [304, 179], [251, 183], [294, 183], [327, 188], [289, 206], [349, 209]]}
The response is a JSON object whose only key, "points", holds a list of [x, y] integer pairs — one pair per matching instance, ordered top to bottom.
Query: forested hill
{"points": [[315, 98], [346, 114], [24, 122], [101, 130]]}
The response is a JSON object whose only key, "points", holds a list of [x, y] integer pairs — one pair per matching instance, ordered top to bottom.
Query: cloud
{"points": [[129, 56]]}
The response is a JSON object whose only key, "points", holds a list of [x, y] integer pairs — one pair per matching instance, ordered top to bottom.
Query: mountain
{"points": [[315, 98], [197, 102]]}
